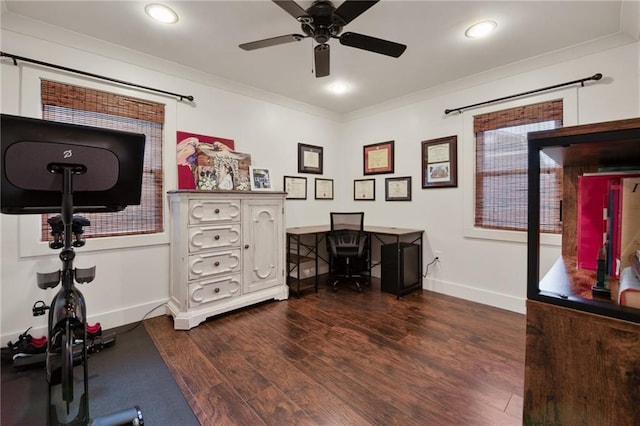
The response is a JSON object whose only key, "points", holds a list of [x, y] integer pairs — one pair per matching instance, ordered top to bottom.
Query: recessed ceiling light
{"points": [[161, 13], [481, 29], [339, 88]]}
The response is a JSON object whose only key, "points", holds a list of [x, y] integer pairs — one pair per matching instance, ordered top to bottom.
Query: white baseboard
{"points": [[474, 294], [107, 320]]}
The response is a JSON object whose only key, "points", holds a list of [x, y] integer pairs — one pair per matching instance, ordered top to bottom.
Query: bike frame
{"points": [[67, 320]]}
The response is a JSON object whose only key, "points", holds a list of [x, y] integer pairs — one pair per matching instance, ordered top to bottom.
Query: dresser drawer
{"points": [[213, 211], [215, 236], [216, 263], [212, 290]]}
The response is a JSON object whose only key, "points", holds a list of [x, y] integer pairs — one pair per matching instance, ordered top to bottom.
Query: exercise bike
{"points": [[45, 165], [67, 340]]}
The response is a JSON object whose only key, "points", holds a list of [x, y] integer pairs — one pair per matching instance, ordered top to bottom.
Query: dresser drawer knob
{"points": [[216, 211], [217, 237], [216, 264], [217, 290]]}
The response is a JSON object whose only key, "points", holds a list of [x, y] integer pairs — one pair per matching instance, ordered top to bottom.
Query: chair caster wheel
{"points": [[359, 289]]}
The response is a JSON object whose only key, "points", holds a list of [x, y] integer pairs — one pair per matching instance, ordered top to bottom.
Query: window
{"points": [[77, 105], [501, 168]]}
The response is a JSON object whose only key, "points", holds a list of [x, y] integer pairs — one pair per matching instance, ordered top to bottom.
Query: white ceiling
{"points": [[208, 33]]}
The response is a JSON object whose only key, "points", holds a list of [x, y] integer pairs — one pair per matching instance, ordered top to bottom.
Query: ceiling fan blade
{"points": [[291, 7], [351, 9], [272, 41], [372, 44], [321, 53]]}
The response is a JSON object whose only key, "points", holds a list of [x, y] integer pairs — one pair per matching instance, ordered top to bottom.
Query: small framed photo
{"points": [[378, 158], [309, 159], [440, 162], [260, 178], [295, 187], [324, 189], [364, 189], [397, 189]]}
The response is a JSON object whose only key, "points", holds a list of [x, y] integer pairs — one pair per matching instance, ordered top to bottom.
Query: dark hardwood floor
{"points": [[349, 358]]}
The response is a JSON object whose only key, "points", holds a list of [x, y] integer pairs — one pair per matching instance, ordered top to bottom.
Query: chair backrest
{"points": [[347, 220], [346, 243]]}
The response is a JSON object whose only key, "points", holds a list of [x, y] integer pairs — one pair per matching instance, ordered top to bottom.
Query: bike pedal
{"points": [[55, 245], [39, 308], [100, 343], [30, 360]]}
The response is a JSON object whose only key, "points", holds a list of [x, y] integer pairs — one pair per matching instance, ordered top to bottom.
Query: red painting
{"points": [[187, 155]]}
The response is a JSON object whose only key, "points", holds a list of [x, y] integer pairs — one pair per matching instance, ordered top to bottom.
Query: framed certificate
{"points": [[378, 158], [309, 159], [440, 162], [295, 187], [324, 189], [364, 189], [397, 189]]}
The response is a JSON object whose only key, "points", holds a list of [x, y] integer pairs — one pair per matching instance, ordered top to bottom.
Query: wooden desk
{"points": [[310, 251]]}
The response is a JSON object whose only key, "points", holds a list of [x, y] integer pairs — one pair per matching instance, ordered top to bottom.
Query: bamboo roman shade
{"points": [[77, 105], [502, 168]]}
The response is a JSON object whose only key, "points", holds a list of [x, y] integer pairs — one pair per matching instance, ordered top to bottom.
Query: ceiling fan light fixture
{"points": [[161, 13], [480, 29], [339, 88]]}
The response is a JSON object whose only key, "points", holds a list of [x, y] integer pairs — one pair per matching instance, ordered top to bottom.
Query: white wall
{"points": [[475, 265], [130, 281]]}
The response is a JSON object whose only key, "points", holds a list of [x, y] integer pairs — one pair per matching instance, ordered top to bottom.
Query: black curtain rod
{"points": [[59, 67], [594, 77]]}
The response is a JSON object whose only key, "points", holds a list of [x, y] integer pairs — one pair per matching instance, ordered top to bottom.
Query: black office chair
{"points": [[347, 247]]}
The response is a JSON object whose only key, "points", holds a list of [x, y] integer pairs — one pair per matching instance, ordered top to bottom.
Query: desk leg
{"points": [[369, 260], [316, 261], [420, 261], [298, 263], [399, 271], [290, 278]]}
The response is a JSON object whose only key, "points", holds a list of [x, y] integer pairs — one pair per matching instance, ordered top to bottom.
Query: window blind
{"points": [[77, 105], [501, 189]]}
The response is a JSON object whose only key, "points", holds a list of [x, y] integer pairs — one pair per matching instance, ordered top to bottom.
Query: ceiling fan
{"points": [[322, 22]]}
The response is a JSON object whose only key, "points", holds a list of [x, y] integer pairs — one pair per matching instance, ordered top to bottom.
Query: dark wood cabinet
{"points": [[583, 352]]}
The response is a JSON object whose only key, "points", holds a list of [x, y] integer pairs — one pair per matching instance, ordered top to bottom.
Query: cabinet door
{"points": [[263, 244]]}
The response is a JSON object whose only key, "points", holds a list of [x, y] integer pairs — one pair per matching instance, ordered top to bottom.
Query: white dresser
{"points": [[227, 252]]}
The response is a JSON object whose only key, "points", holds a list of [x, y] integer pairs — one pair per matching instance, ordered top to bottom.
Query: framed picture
{"points": [[190, 149], [378, 158], [309, 159], [440, 162], [260, 178], [295, 187], [324, 189], [364, 189], [397, 189]]}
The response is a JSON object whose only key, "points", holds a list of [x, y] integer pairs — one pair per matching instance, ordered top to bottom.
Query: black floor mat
{"points": [[131, 372]]}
